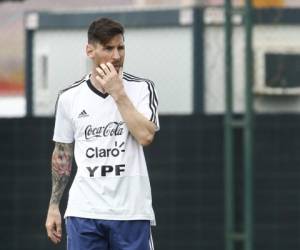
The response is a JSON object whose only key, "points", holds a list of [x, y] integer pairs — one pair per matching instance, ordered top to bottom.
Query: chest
{"points": [[94, 119]]}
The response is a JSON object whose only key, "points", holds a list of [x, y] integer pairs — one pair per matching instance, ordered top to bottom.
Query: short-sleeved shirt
{"points": [[112, 180]]}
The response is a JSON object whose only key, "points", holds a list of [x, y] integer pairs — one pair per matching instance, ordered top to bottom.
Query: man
{"points": [[110, 115]]}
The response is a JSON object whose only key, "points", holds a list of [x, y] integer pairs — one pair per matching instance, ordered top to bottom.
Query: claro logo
{"points": [[111, 129]]}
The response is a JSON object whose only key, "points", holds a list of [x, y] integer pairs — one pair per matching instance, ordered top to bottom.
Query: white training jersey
{"points": [[112, 180]]}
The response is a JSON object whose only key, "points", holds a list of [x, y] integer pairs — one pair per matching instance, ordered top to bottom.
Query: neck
{"points": [[95, 83]]}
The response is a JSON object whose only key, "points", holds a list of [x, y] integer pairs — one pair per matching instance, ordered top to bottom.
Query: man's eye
{"points": [[109, 48]]}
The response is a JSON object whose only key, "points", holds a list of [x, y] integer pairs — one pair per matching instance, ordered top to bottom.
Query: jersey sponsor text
{"points": [[111, 129], [106, 169]]}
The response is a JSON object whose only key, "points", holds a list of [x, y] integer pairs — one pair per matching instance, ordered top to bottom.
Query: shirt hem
{"points": [[110, 217]]}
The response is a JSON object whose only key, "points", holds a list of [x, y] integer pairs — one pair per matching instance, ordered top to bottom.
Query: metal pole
{"points": [[28, 73], [228, 131], [248, 131]]}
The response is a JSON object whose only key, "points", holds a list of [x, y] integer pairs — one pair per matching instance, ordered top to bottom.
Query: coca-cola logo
{"points": [[111, 129]]}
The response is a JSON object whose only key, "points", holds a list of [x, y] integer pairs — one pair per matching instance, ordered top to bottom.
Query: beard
{"points": [[117, 64]]}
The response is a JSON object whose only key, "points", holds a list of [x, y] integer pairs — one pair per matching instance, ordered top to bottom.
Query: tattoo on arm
{"points": [[61, 169]]}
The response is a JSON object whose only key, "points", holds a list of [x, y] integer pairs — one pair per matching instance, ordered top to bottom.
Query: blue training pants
{"points": [[93, 234]]}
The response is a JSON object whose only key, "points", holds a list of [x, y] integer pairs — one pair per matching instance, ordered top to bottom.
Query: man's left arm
{"points": [[139, 126]]}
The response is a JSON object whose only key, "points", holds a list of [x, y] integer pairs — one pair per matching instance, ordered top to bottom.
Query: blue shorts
{"points": [[92, 234]]}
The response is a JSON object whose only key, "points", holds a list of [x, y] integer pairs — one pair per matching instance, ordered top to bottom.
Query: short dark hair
{"points": [[104, 29]]}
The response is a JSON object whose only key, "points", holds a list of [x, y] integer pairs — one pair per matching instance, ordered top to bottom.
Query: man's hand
{"points": [[110, 79], [139, 126], [61, 169], [53, 224]]}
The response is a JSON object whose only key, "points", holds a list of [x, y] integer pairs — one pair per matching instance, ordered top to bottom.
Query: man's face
{"points": [[113, 51]]}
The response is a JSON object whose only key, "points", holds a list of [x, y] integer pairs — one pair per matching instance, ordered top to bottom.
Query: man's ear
{"points": [[90, 50]]}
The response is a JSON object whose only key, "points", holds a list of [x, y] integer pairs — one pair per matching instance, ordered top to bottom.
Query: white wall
{"points": [[265, 38], [163, 55], [66, 64], [214, 67], [12, 106]]}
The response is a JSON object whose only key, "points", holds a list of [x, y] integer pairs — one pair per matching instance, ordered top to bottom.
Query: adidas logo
{"points": [[83, 113]]}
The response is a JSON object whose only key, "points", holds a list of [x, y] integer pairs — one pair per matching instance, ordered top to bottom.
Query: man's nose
{"points": [[116, 54]]}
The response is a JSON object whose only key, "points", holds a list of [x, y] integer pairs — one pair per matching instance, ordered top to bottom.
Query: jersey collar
{"points": [[96, 91]]}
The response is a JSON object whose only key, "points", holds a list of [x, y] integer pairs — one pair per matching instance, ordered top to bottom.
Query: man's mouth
{"points": [[117, 67]]}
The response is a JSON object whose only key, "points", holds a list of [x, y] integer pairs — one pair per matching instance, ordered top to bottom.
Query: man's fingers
{"points": [[111, 67], [105, 69], [100, 72], [121, 72], [53, 224], [49, 228], [58, 229], [54, 231], [51, 236], [55, 236], [55, 239]]}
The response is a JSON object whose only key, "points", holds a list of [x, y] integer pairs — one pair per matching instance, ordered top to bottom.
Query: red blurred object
{"points": [[11, 88]]}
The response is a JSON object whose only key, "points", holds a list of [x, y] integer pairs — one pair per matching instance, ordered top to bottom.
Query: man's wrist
{"points": [[119, 95], [53, 205]]}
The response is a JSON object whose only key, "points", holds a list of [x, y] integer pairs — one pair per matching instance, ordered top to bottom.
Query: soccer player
{"points": [[110, 116]]}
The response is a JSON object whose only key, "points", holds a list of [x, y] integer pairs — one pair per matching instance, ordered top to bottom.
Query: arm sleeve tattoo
{"points": [[61, 169]]}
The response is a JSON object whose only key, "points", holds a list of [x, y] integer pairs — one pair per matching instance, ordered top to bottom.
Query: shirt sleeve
{"points": [[148, 103], [63, 129]]}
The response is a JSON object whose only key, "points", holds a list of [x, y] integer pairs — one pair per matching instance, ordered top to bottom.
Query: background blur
{"points": [[12, 39], [180, 45]]}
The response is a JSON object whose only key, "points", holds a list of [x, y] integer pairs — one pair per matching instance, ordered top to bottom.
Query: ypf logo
{"points": [[105, 170]]}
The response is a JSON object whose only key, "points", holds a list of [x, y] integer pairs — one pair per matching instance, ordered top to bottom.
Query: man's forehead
{"points": [[116, 40]]}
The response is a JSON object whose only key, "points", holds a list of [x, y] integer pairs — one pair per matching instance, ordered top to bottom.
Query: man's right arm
{"points": [[62, 158]]}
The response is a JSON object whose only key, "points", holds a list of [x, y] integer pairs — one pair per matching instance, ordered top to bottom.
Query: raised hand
{"points": [[110, 80]]}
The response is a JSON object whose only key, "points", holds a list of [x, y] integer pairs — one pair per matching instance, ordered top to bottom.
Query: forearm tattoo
{"points": [[61, 169]]}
